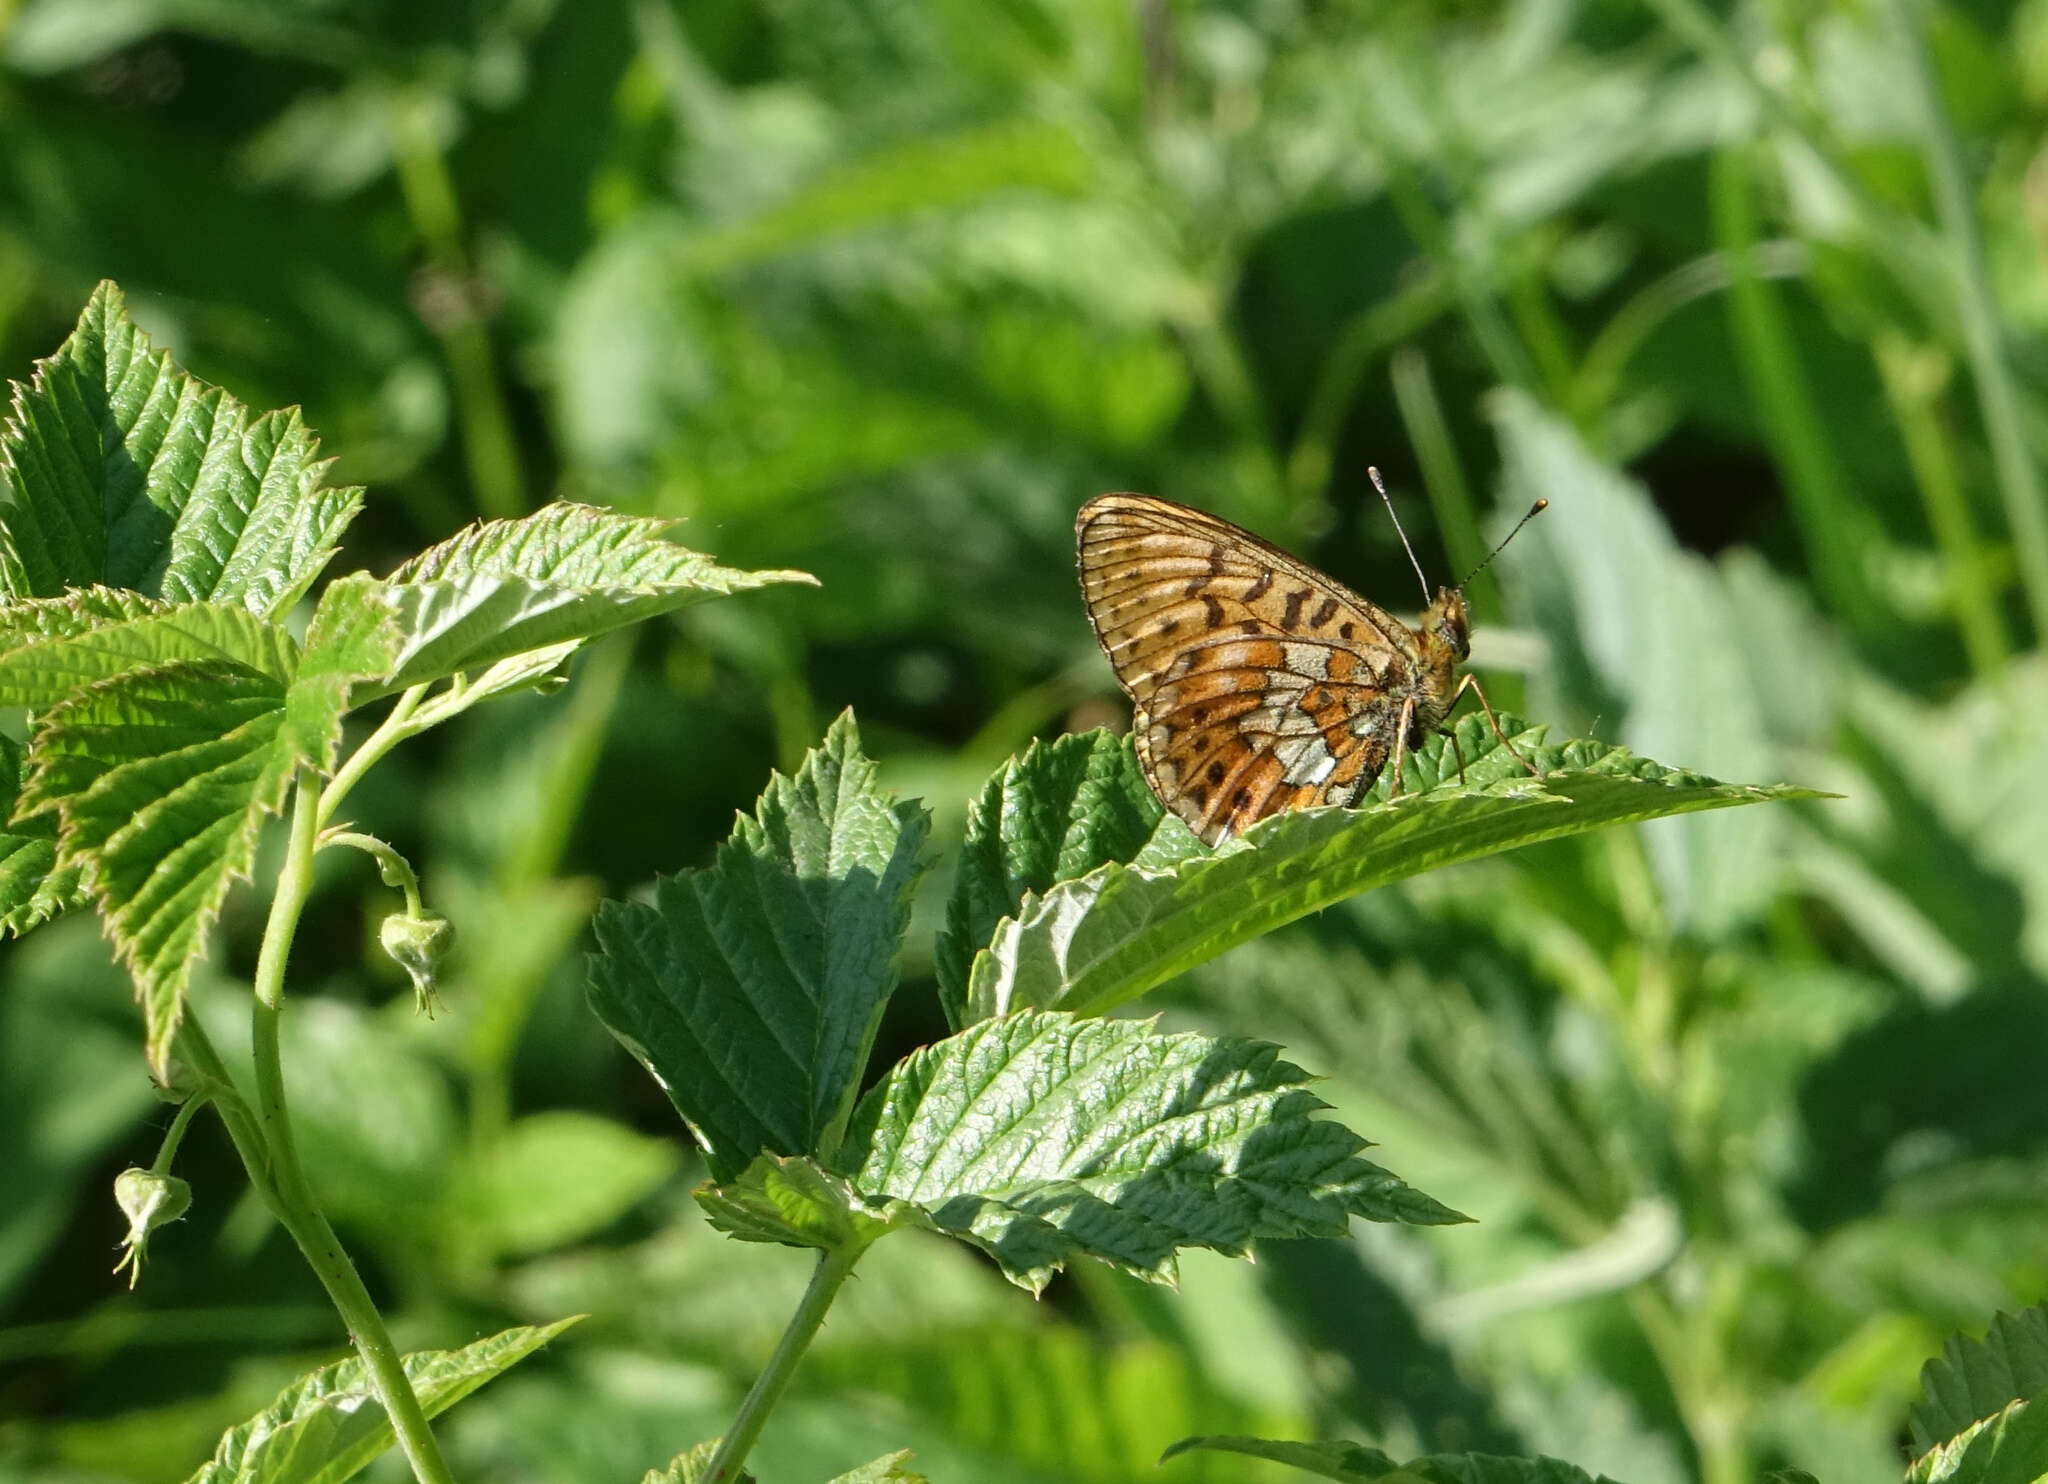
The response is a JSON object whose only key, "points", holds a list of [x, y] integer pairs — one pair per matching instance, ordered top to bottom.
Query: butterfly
{"points": [[1259, 684]]}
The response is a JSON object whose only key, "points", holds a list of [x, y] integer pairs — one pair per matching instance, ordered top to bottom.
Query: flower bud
{"points": [[418, 944], [149, 1200]]}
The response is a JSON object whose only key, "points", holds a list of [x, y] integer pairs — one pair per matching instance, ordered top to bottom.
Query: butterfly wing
{"points": [[1259, 684]]}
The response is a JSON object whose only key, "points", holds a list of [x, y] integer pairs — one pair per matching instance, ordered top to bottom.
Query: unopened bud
{"points": [[418, 944], [149, 1200]]}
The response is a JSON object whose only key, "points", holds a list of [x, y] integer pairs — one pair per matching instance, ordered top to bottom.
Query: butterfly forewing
{"points": [[1258, 683]]}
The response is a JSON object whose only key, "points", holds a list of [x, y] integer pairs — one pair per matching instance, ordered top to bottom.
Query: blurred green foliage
{"points": [[1748, 1107]]}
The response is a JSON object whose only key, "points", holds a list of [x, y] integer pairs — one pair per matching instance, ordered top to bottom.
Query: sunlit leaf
{"points": [[118, 468], [1092, 944], [752, 989], [1042, 1137], [328, 1426]]}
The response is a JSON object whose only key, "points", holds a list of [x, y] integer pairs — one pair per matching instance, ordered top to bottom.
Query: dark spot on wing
{"points": [[1259, 589], [1214, 610], [1325, 611], [1291, 618], [1347, 630], [1214, 772]]}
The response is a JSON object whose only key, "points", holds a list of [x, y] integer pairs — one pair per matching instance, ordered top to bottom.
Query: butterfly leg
{"points": [[1471, 682], [1401, 724], [1450, 735]]}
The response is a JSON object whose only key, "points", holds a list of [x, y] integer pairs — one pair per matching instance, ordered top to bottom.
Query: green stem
{"points": [[1369, 333], [1600, 372], [1912, 382], [488, 445], [1443, 476], [2019, 482], [1835, 530], [394, 729], [395, 869], [196, 1048], [168, 1151], [292, 1194], [832, 1270]]}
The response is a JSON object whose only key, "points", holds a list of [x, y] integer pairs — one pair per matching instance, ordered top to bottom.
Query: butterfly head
{"points": [[1447, 629]]}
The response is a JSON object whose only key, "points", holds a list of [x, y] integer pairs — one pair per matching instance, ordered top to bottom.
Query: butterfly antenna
{"points": [[1388, 501], [1534, 510]]}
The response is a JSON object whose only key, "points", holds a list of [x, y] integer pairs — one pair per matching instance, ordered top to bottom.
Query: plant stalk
{"points": [[2019, 480], [291, 1194], [832, 1270]]}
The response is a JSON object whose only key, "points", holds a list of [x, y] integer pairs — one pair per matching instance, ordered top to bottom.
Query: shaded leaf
{"points": [[118, 468], [1057, 812], [32, 889], [1095, 943], [752, 989], [1041, 1137], [553, 1178], [1976, 1379], [327, 1426], [2009, 1447], [1354, 1463]]}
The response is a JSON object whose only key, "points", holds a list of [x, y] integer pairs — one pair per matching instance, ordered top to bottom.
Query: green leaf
{"points": [[118, 468], [564, 574], [49, 647], [161, 779], [1057, 812], [32, 889], [1095, 943], [752, 989], [1041, 1137], [554, 1178], [797, 1204], [1976, 1379], [327, 1426], [2009, 1447], [1354, 1463], [689, 1468], [888, 1469]]}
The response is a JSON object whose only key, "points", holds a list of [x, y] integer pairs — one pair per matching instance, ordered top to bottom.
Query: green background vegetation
{"points": [[1749, 1108]]}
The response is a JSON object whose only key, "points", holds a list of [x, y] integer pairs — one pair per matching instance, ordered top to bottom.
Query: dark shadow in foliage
{"points": [[1968, 1072], [1335, 1304]]}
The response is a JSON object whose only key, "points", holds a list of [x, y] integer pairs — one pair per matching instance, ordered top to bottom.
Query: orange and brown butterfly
{"points": [[1259, 684]]}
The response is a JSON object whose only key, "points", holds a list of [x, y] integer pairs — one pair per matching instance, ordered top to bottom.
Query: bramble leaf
{"points": [[118, 468], [565, 574], [49, 647], [161, 779], [1057, 812], [32, 889], [1094, 943], [752, 989], [1042, 1137], [796, 1203], [1972, 1380], [327, 1426], [2008, 1447], [1354, 1463]]}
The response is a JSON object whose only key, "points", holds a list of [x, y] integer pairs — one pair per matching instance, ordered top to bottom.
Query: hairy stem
{"points": [[291, 1195], [832, 1270]]}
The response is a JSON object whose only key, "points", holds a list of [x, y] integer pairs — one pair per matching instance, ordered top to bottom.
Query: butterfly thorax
{"points": [[1446, 643]]}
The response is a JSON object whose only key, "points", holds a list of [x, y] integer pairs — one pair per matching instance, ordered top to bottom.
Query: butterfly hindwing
{"points": [[1258, 683]]}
